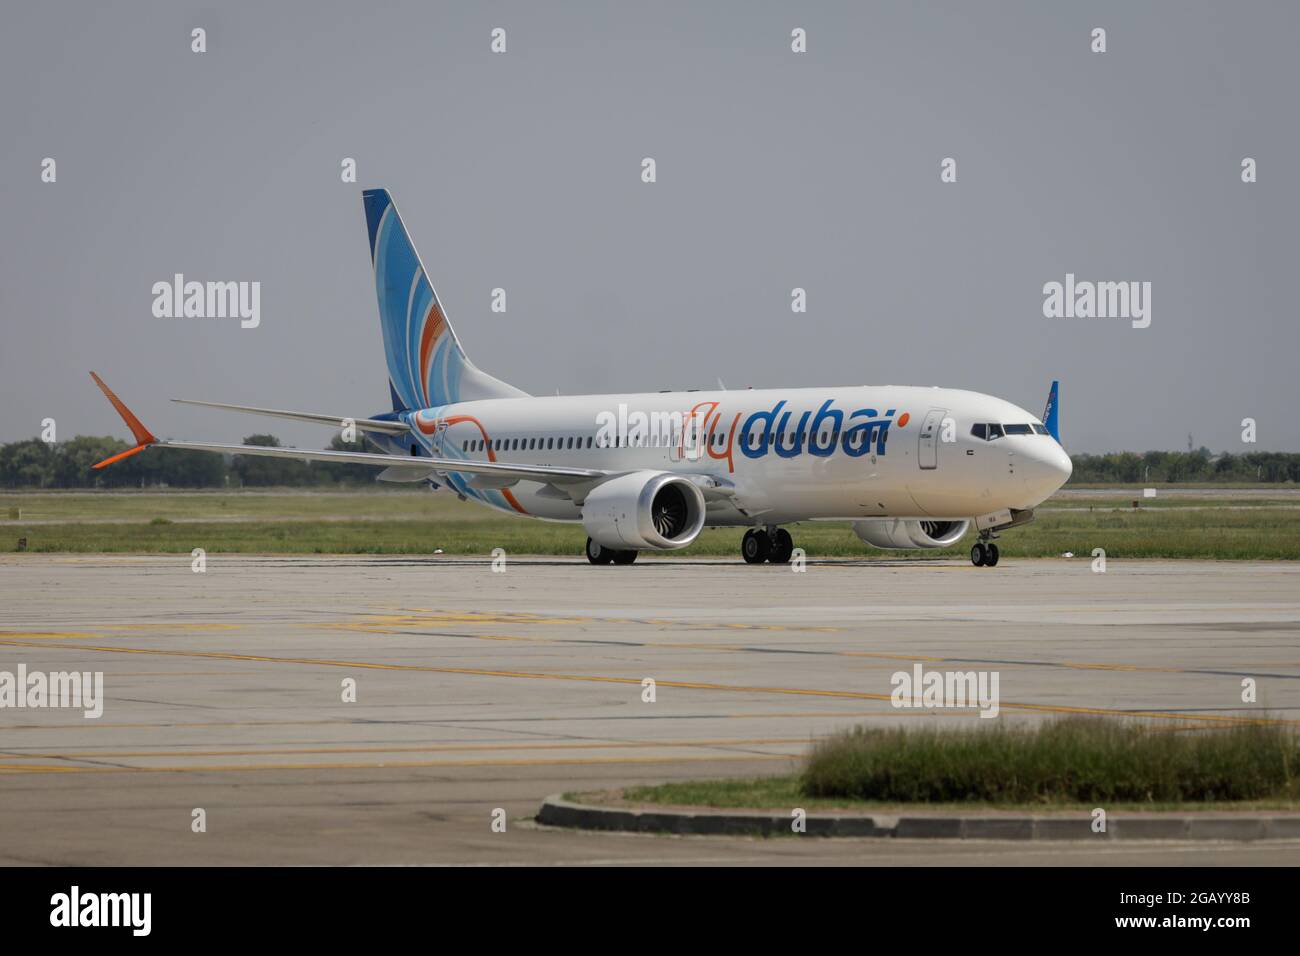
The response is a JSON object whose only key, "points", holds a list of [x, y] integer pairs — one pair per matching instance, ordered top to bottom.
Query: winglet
{"points": [[1050, 417], [144, 438]]}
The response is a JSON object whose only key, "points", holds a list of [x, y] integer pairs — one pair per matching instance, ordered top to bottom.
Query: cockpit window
{"points": [[986, 430], [991, 430]]}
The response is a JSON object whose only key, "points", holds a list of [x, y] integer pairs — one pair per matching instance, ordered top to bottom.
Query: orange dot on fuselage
{"points": [[902, 419]]}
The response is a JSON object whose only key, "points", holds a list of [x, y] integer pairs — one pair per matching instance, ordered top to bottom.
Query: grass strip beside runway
{"points": [[393, 523], [1073, 762]]}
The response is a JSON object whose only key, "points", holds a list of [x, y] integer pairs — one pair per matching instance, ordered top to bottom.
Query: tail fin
{"points": [[426, 365], [1050, 414]]}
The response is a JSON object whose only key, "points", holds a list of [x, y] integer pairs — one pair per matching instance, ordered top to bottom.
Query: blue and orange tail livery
{"points": [[426, 365]]}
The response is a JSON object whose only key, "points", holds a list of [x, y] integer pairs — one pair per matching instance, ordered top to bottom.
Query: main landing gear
{"points": [[767, 544], [599, 554], [984, 554]]}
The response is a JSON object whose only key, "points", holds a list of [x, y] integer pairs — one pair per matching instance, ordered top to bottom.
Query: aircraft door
{"points": [[439, 440], [688, 443], [928, 450]]}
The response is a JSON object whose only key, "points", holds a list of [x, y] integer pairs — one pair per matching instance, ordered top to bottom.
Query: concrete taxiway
{"points": [[477, 690]]}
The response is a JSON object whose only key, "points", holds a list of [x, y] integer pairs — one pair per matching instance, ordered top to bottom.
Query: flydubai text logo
{"points": [[782, 431], [863, 431]]}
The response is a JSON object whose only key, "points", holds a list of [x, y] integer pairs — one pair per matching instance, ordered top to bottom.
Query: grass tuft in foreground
{"points": [[1071, 760]]}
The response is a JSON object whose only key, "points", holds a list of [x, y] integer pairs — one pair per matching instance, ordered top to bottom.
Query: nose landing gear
{"points": [[984, 554]]}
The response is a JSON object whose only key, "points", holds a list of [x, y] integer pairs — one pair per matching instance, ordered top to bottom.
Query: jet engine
{"points": [[644, 510], [909, 532]]}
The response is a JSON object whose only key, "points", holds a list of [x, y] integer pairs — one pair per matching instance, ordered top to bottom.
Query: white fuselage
{"points": [[845, 452]]}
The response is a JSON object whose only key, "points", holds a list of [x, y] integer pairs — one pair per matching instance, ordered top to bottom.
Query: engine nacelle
{"points": [[644, 510], [909, 532]]}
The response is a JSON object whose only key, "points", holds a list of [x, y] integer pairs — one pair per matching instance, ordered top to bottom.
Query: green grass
{"points": [[413, 521], [1075, 760], [1070, 763]]}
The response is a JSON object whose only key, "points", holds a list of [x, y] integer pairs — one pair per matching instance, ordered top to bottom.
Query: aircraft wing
{"points": [[362, 424], [493, 469]]}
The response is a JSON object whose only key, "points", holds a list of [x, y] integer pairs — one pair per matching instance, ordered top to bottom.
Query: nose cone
{"points": [[1045, 467]]}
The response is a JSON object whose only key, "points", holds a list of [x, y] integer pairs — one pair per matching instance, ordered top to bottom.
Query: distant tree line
{"points": [[33, 463], [1186, 466]]}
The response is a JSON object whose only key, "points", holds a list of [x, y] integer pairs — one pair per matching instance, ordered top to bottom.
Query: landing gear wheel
{"points": [[755, 547], [782, 547], [598, 554], [978, 555], [991, 556], [624, 557]]}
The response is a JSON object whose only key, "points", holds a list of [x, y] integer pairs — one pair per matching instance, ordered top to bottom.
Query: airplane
{"points": [[910, 467]]}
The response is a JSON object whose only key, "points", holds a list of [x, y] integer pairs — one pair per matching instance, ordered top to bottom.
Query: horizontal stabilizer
{"points": [[421, 465]]}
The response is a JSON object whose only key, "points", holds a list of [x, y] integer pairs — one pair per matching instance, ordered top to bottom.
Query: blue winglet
{"points": [[1051, 418]]}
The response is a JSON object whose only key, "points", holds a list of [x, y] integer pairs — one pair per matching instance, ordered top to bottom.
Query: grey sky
{"points": [[775, 170]]}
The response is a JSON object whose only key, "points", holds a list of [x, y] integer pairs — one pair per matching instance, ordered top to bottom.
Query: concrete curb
{"points": [[558, 812]]}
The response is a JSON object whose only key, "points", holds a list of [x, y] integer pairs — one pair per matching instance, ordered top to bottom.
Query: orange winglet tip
{"points": [[142, 435], [120, 455]]}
